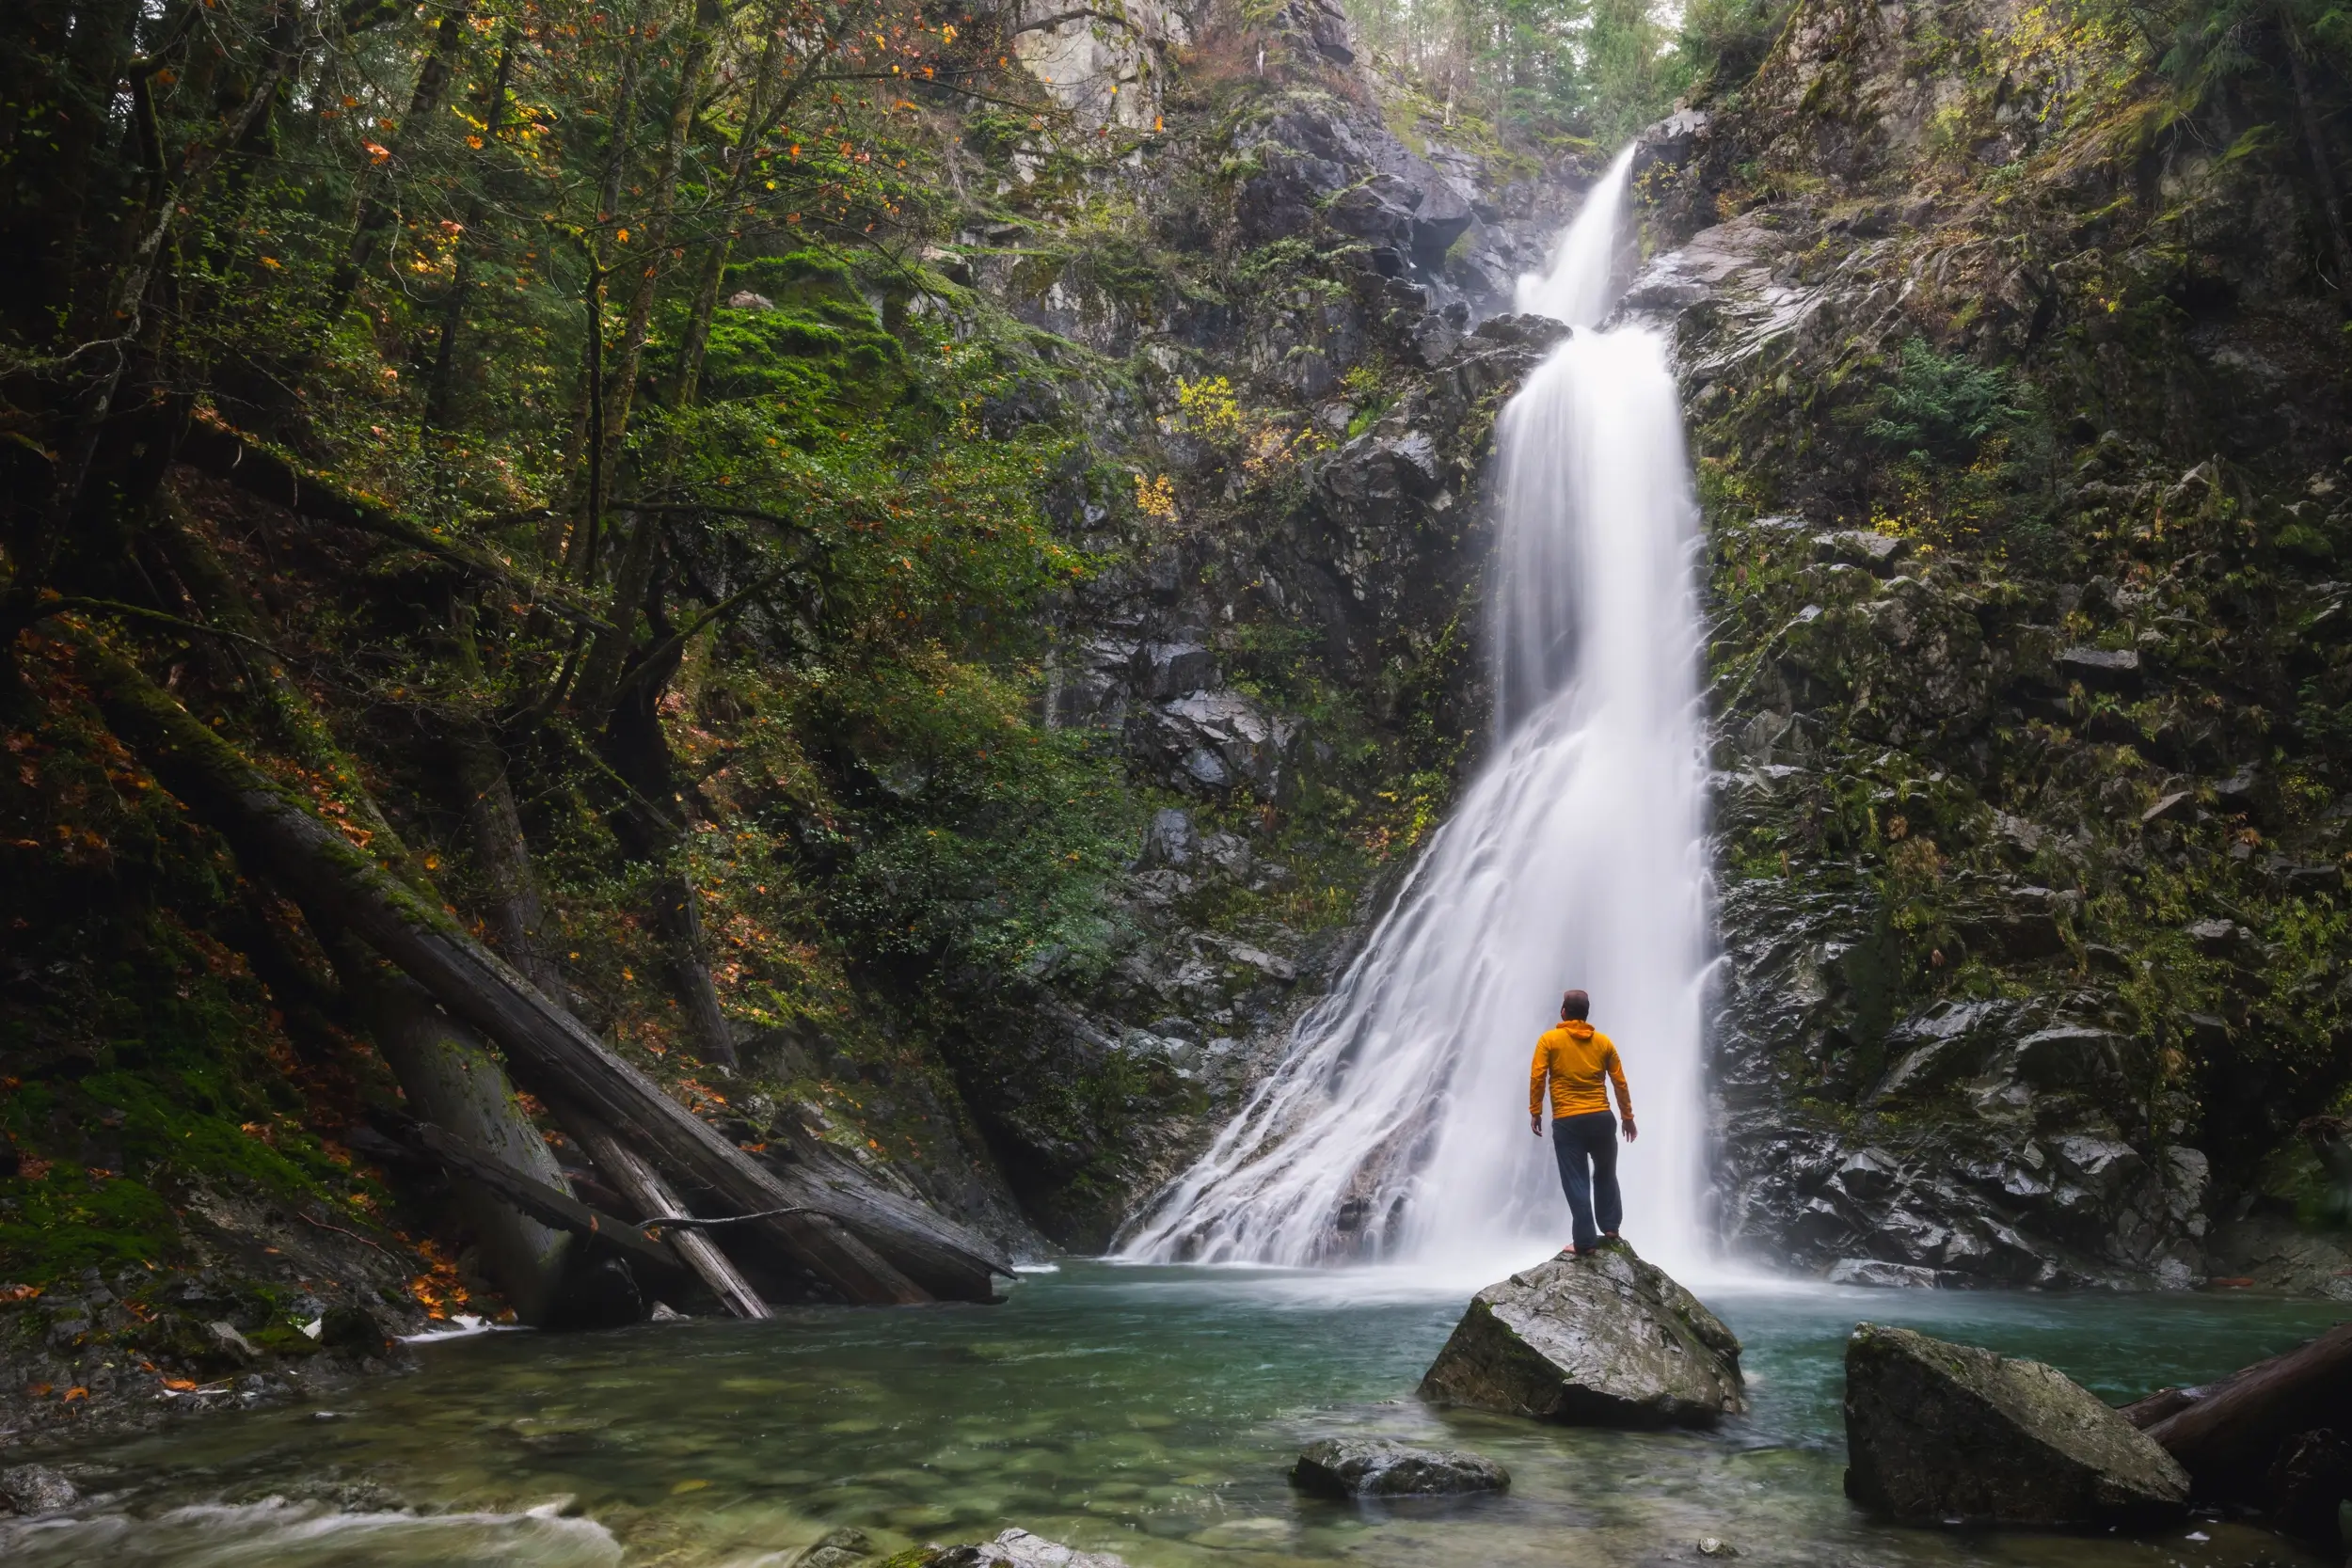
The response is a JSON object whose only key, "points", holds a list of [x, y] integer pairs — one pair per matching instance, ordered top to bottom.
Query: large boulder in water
{"points": [[1603, 1339], [1941, 1433], [1379, 1467]]}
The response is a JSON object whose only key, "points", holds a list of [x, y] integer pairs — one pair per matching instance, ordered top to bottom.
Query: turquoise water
{"points": [[1149, 1412]]}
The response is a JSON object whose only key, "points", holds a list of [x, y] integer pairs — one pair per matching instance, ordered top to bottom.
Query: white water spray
{"points": [[1396, 1128]]}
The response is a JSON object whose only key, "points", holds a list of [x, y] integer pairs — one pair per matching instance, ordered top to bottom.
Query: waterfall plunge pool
{"points": [[1148, 1411]]}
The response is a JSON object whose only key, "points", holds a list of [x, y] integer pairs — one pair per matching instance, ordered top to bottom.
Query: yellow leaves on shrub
{"points": [[1210, 407], [1215, 414], [1155, 499]]}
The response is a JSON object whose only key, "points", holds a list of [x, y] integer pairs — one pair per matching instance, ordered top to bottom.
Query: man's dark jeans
{"points": [[1576, 1140]]}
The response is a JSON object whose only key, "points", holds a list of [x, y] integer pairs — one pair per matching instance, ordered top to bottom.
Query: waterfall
{"points": [[1396, 1128]]}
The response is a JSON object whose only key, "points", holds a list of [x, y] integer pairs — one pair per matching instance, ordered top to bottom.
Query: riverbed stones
{"points": [[1604, 1339], [1943, 1433], [1381, 1467], [30, 1489], [835, 1548], [1018, 1548]]}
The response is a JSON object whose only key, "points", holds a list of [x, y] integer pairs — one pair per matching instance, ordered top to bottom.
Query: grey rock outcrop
{"points": [[1216, 741], [1987, 1148], [1600, 1340], [1940, 1434], [1379, 1467]]}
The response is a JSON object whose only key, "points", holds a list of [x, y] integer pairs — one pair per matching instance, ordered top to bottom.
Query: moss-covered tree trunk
{"points": [[452, 1079]]}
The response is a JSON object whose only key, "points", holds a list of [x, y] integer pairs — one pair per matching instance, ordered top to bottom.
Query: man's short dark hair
{"points": [[1575, 1006]]}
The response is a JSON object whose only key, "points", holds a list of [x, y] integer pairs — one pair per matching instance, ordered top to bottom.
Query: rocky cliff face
{"points": [[1262, 331], [2019, 416], [2020, 422]]}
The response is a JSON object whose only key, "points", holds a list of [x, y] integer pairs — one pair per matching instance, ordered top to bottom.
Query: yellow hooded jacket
{"points": [[1574, 1056]]}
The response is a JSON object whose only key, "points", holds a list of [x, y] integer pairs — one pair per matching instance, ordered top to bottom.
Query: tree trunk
{"points": [[693, 79], [758, 118], [2329, 205], [378, 209], [697, 340], [441, 387], [87, 410], [588, 439], [212, 448], [634, 575], [652, 826], [277, 834], [516, 913], [444, 1070], [450, 1078], [642, 1185], [2228, 1439]]}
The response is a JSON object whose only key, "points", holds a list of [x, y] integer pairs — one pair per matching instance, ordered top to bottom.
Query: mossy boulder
{"points": [[1604, 1339], [1944, 1434]]}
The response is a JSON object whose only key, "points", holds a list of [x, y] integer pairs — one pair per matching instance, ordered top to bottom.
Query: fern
{"points": [[1943, 406]]}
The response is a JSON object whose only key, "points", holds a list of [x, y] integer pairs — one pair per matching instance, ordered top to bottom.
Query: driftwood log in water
{"points": [[642, 1185], [869, 1245], [2228, 1437]]}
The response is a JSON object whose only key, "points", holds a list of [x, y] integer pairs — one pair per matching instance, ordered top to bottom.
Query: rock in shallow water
{"points": [[1605, 1340], [1937, 1433], [1377, 1468], [30, 1489], [837, 1548], [1018, 1548]]}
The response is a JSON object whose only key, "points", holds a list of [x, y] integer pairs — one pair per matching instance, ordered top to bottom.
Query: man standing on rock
{"points": [[1583, 1134]]}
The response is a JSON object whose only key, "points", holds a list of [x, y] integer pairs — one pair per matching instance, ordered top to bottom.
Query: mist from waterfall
{"points": [[1396, 1129]]}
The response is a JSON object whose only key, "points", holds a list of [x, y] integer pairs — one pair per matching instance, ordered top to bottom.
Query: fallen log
{"points": [[444, 1069], [453, 1081], [642, 1185], [550, 1206], [870, 1245], [2146, 1411], [2228, 1439]]}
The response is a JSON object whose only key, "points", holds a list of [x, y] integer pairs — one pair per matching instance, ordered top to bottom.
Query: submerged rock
{"points": [[1600, 1340], [1938, 1434], [1379, 1467], [36, 1489], [836, 1548], [1018, 1548]]}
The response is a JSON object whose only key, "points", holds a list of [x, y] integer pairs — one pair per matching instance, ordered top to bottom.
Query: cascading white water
{"points": [[1396, 1127]]}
